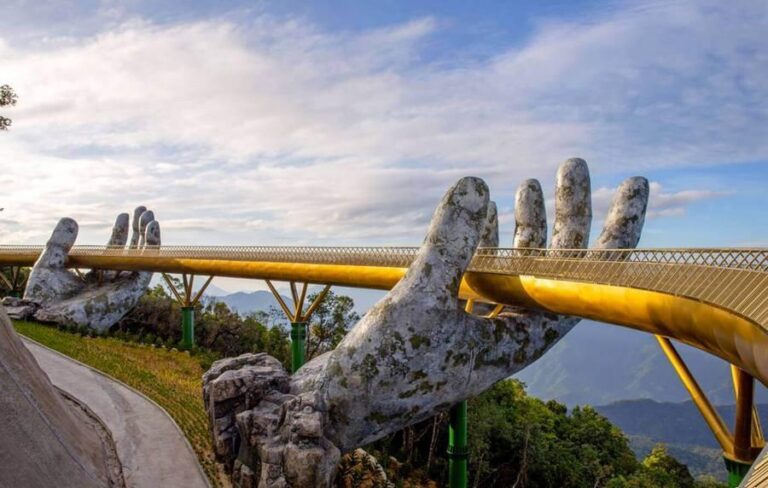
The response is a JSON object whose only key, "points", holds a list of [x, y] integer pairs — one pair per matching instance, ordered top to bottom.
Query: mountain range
{"points": [[598, 364], [679, 426]]}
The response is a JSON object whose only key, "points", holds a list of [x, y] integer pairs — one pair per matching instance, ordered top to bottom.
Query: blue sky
{"points": [[342, 122]]}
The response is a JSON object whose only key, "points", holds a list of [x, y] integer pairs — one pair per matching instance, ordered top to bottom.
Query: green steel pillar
{"points": [[187, 326], [298, 335], [457, 447], [736, 472]]}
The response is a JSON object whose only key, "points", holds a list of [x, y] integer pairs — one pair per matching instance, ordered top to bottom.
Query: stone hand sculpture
{"points": [[100, 298], [416, 352]]}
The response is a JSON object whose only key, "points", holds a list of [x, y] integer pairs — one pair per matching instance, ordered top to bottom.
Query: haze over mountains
{"points": [[598, 364], [679, 426]]}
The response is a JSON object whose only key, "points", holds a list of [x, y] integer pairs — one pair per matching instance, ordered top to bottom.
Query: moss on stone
{"points": [[418, 340]]}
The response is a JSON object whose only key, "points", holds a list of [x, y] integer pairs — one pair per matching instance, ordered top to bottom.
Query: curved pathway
{"points": [[151, 447]]}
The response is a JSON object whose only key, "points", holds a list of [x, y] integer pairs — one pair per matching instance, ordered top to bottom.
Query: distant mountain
{"points": [[213, 290], [245, 302], [598, 364], [673, 423], [679, 426]]}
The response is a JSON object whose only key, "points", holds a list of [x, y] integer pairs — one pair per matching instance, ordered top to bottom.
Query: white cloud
{"points": [[279, 131], [661, 202]]}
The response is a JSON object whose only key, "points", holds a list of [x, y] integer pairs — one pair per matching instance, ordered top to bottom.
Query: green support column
{"points": [[187, 327], [298, 336], [457, 447], [736, 472]]}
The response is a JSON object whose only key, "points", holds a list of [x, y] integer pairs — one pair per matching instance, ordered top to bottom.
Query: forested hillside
{"points": [[678, 425]]}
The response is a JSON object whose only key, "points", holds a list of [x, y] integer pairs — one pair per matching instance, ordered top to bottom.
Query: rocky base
{"points": [[20, 309], [265, 436]]}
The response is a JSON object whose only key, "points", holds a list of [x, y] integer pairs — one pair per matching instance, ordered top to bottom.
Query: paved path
{"points": [[152, 449]]}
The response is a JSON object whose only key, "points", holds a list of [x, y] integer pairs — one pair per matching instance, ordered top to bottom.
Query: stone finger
{"points": [[573, 206], [530, 216], [146, 217], [625, 220], [135, 224], [119, 231], [152, 234], [490, 237]]}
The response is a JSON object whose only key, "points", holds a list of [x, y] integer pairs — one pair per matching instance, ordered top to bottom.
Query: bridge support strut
{"points": [[15, 283], [185, 295], [299, 318], [188, 326], [458, 442], [741, 447], [458, 453]]}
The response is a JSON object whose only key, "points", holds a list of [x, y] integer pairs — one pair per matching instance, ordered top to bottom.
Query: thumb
{"points": [[451, 240], [57, 248]]}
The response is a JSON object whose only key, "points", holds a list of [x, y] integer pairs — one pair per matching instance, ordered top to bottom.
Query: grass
{"points": [[170, 378]]}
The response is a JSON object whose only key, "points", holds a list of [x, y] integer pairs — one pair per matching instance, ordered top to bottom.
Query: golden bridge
{"points": [[712, 299]]}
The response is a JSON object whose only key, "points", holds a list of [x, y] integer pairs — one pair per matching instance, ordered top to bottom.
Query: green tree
{"points": [[7, 97], [329, 323], [658, 470]]}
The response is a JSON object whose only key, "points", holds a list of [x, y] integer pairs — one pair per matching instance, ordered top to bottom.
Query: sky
{"points": [[343, 122]]}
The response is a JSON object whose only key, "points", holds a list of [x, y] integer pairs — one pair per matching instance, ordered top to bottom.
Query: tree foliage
{"points": [[7, 97], [157, 319], [329, 323], [519, 441]]}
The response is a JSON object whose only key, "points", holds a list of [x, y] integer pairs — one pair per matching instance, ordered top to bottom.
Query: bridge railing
{"points": [[502, 260], [736, 279]]}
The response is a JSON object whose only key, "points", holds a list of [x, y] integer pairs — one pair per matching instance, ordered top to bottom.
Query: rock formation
{"points": [[100, 298], [416, 352], [45, 440]]}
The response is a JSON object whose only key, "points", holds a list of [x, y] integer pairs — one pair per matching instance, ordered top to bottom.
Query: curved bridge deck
{"points": [[714, 299]]}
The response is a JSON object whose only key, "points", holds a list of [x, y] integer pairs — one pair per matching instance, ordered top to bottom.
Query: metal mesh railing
{"points": [[486, 259], [734, 279]]}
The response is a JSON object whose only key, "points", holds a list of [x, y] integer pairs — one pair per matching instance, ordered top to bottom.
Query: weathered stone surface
{"points": [[573, 205], [137, 212], [530, 215], [627, 216], [490, 236], [99, 299], [19, 309], [417, 352], [234, 385], [262, 433], [45, 441]]}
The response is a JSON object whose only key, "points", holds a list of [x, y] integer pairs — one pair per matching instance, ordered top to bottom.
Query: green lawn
{"points": [[170, 378]]}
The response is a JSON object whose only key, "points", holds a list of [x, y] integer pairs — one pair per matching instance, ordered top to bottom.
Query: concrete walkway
{"points": [[152, 449]]}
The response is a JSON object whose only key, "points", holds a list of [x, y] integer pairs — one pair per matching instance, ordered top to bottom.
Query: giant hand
{"points": [[100, 298], [417, 351]]}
